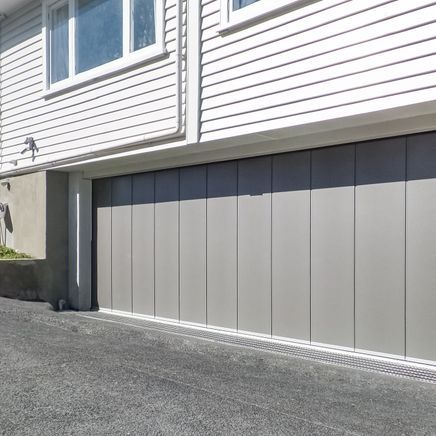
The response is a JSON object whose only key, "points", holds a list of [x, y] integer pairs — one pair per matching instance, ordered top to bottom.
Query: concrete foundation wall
{"points": [[36, 224], [24, 226], [79, 244], [55, 272], [19, 279]]}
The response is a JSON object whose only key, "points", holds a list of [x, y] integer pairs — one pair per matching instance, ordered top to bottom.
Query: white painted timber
{"points": [[327, 60], [140, 102]]}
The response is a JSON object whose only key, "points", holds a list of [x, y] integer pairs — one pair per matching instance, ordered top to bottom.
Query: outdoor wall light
{"points": [[31, 146]]}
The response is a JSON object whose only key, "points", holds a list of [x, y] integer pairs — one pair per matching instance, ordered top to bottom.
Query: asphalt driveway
{"points": [[63, 374]]}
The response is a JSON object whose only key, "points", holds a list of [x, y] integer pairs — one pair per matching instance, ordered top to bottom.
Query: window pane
{"points": [[238, 4], [144, 32], [99, 33], [59, 44]]}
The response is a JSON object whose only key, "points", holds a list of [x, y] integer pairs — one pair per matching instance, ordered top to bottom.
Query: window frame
{"points": [[57, 5], [233, 19], [128, 59]]}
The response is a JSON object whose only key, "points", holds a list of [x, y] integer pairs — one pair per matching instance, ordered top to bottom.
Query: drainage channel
{"points": [[346, 359]]}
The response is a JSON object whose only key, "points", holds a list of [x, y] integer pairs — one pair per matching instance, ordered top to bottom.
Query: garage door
{"points": [[334, 246]]}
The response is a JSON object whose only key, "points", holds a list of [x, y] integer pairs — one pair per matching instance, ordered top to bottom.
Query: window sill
{"points": [[244, 18], [105, 71]]}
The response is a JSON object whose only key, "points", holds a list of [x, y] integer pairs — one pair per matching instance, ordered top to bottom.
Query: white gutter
{"points": [[126, 145]]}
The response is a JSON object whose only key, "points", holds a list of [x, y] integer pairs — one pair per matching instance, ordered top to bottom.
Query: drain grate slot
{"points": [[366, 363]]}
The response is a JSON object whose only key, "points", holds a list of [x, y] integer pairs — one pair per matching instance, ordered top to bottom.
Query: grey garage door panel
{"points": [[102, 198], [222, 213], [122, 243], [143, 243], [167, 244], [193, 244], [254, 245], [291, 246], [332, 246], [380, 247], [421, 248], [333, 266]]}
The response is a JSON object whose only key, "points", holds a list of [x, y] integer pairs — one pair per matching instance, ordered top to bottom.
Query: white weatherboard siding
{"points": [[327, 60], [139, 102]]}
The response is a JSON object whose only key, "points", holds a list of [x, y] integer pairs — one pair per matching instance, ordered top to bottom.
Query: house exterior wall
{"points": [[327, 60], [311, 63], [126, 107], [37, 224], [24, 226], [215, 244]]}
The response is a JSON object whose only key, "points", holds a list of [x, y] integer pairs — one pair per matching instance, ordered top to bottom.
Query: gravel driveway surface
{"points": [[65, 374]]}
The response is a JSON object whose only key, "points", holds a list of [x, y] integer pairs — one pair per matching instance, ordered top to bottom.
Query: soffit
{"points": [[9, 6]]}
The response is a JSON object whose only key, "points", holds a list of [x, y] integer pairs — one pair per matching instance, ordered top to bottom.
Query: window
{"points": [[239, 4], [235, 13], [99, 33], [87, 39], [59, 44]]}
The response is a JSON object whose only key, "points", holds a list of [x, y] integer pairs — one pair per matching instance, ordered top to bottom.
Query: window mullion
{"points": [[127, 23], [47, 28], [72, 39]]}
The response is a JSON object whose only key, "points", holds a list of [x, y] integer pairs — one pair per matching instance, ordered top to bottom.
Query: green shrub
{"points": [[9, 253]]}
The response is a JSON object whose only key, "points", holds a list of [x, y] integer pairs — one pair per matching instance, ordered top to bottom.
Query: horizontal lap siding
{"points": [[327, 60], [92, 117]]}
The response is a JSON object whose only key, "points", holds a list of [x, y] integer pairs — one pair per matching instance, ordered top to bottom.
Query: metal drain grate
{"points": [[370, 363]]}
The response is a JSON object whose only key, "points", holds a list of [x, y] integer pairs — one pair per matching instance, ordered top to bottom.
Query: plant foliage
{"points": [[9, 253]]}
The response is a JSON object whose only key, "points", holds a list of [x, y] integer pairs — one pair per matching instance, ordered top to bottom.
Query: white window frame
{"points": [[231, 19], [128, 60]]}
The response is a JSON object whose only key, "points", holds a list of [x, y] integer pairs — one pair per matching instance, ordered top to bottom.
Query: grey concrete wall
{"points": [[37, 224], [24, 225], [79, 241], [19, 279], [54, 280]]}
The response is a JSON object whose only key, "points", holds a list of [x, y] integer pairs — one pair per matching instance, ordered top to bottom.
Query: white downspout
{"points": [[2, 17], [171, 133]]}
